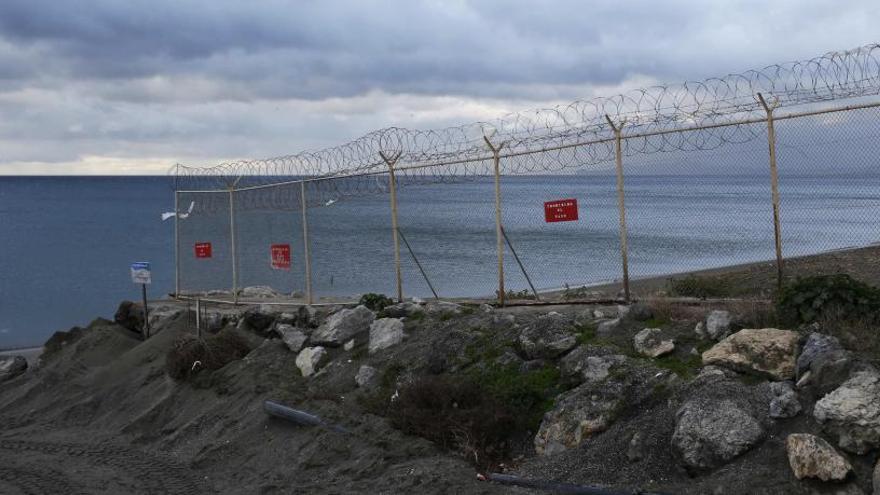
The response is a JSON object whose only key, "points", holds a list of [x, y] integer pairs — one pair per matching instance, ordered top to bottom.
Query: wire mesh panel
{"points": [[829, 183], [699, 209], [270, 240], [204, 246]]}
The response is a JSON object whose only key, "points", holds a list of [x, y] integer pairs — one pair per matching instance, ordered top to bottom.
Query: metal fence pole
{"points": [[391, 161], [774, 185], [621, 205], [499, 234], [232, 239], [176, 245], [306, 255]]}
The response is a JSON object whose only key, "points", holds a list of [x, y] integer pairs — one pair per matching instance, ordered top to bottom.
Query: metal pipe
{"points": [[392, 183], [774, 186], [621, 206], [232, 242], [499, 242], [176, 245], [413, 254], [306, 255], [521, 267]]}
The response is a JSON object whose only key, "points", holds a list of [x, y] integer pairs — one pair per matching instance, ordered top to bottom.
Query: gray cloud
{"points": [[221, 78]]}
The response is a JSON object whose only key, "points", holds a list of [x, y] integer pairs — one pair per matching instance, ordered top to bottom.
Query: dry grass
{"points": [[189, 355]]}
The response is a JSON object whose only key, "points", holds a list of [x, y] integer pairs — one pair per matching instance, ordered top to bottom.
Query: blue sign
{"points": [[140, 272]]}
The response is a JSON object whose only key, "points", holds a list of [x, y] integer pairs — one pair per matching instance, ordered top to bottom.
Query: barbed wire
{"points": [[695, 115]]}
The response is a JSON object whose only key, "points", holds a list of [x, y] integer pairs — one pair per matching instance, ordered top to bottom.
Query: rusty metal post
{"points": [[391, 161], [774, 185], [621, 206], [499, 234], [232, 244], [306, 254]]}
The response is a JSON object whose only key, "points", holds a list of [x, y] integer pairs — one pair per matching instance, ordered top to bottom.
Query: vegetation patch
{"points": [[700, 287], [811, 298], [375, 302], [189, 355], [684, 367]]}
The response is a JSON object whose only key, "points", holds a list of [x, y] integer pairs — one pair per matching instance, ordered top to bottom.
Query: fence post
{"points": [[391, 161], [774, 185], [621, 206], [305, 225], [499, 234], [232, 239], [176, 245]]}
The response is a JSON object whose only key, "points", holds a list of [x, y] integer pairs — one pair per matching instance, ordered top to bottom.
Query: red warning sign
{"points": [[563, 210], [203, 249], [280, 256]]}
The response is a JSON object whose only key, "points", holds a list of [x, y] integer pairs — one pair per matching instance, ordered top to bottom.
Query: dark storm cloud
{"points": [[169, 78]]}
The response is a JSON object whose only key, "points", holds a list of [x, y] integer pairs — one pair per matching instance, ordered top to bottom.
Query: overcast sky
{"points": [[123, 87]]}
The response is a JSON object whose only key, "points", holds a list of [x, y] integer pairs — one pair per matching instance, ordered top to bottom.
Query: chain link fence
{"points": [[578, 209]]}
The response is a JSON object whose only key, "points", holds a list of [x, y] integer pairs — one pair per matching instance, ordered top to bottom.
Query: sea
{"points": [[67, 243]]}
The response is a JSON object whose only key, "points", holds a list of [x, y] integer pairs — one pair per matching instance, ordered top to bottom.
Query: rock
{"points": [[258, 292], [443, 307], [485, 308], [403, 309], [622, 311], [640, 312], [598, 314], [130, 315], [160, 316], [259, 318], [286, 318], [503, 320], [213, 322], [718, 324], [343, 326], [607, 327], [700, 330], [385, 333], [550, 336], [293, 337], [649, 342], [816, 345], [348, 346], [767, 352], [310, 359], [11, 367], [588, 367], [829, 370], [367, 377], [804, 380], [785, 403], [852, 412], [578, 414], [709, 433], [635, 449], [813, 457]]}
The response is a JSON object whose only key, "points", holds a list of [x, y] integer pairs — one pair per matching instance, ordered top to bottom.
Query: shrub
{"points": [[700, 287], [810, 298], [375, 302], [212, 352]]}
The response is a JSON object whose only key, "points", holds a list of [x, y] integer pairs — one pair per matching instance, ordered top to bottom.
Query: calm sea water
{"points": [[66, 244]]}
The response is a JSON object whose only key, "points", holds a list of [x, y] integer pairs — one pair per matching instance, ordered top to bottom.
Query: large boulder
{"points": [[258, 292], [402, 310], [161, 315], [259, 318], [718, 324], [344, 325], [607, 327], [385, 333], [548, 337], [294, 338], [650, 342], [816, 345], [767, 352], [310, 359], [584, 364], [12, 366], [829, 370], [367, 377], [852, 412], [579, 413], [709, 433], [813, 457]]}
